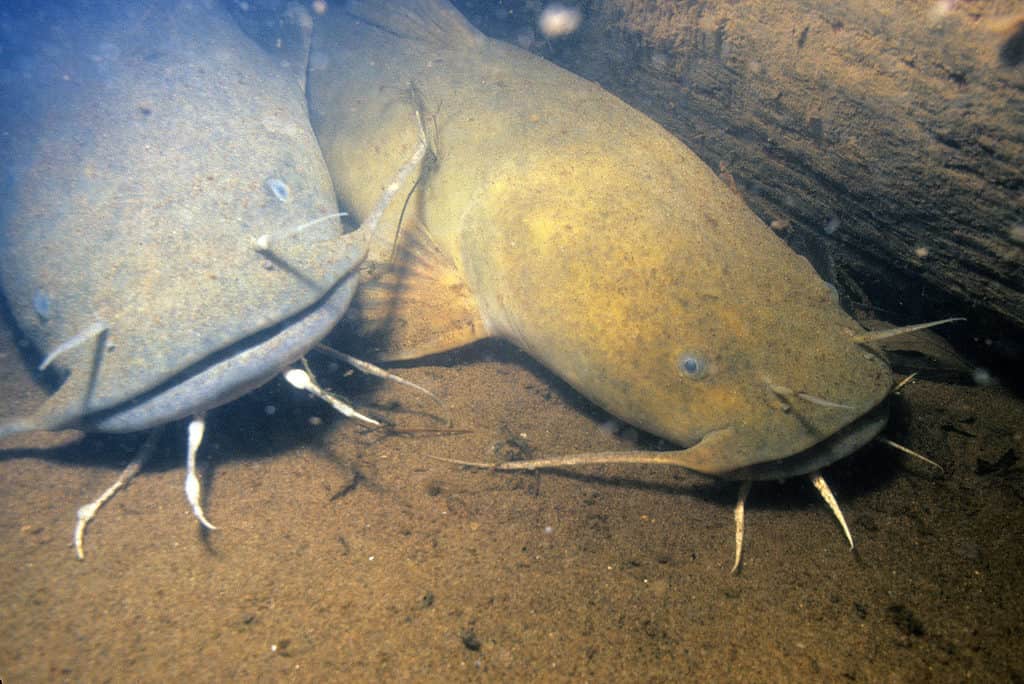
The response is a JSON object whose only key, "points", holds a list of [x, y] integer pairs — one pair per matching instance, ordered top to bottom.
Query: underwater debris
{"points": [[557, 20]]}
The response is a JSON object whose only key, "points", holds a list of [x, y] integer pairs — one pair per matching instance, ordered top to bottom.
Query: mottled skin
{"points": [[595, 240]]}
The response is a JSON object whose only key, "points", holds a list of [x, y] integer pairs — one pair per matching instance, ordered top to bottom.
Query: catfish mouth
{"points": [[232, 372], [833, 448]]}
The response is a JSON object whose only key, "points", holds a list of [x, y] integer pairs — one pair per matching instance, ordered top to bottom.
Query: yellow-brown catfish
{"points": [[569, 223]]}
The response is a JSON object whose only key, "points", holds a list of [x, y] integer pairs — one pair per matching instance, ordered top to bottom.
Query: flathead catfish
{"points": [[560, 218], [169, 238]]}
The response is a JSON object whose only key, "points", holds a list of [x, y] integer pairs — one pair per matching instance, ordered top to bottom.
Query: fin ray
{"points": [[419, 304]]}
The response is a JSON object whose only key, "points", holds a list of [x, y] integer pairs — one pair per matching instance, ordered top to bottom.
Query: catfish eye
{"points": [[692, 366]]}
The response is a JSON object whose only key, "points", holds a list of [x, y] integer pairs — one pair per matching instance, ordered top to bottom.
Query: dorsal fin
{"points": [[435, 21]]}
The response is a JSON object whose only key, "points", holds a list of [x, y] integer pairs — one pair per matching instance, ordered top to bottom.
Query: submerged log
{"points": [[892, 134]]}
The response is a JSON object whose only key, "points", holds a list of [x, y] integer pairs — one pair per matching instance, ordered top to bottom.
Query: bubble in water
{"points": [[558, 20], [279, 189], [982, 377]]}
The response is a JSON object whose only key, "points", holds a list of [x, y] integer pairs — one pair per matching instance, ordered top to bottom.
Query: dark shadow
{"points": [[1012, 51]]}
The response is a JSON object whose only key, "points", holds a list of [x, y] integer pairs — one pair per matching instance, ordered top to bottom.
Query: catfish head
{"points": [[642, 280], [672, 306]]}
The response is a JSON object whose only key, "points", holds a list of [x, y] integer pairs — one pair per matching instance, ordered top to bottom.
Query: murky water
{"points": [[348, 553]]}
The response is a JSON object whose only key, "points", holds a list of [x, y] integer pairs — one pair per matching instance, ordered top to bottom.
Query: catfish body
{"points": [[574, 226]]}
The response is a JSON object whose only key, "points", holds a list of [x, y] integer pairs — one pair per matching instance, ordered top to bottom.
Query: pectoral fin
{"points": [[418, 304]]}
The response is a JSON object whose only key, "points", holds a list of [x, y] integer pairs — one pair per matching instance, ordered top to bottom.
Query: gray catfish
{"points": [[559, 218], [170, 239]]}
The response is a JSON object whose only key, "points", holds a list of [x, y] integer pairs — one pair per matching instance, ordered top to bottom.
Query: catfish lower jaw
{"points": [[230, 373], [835, 447]]}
